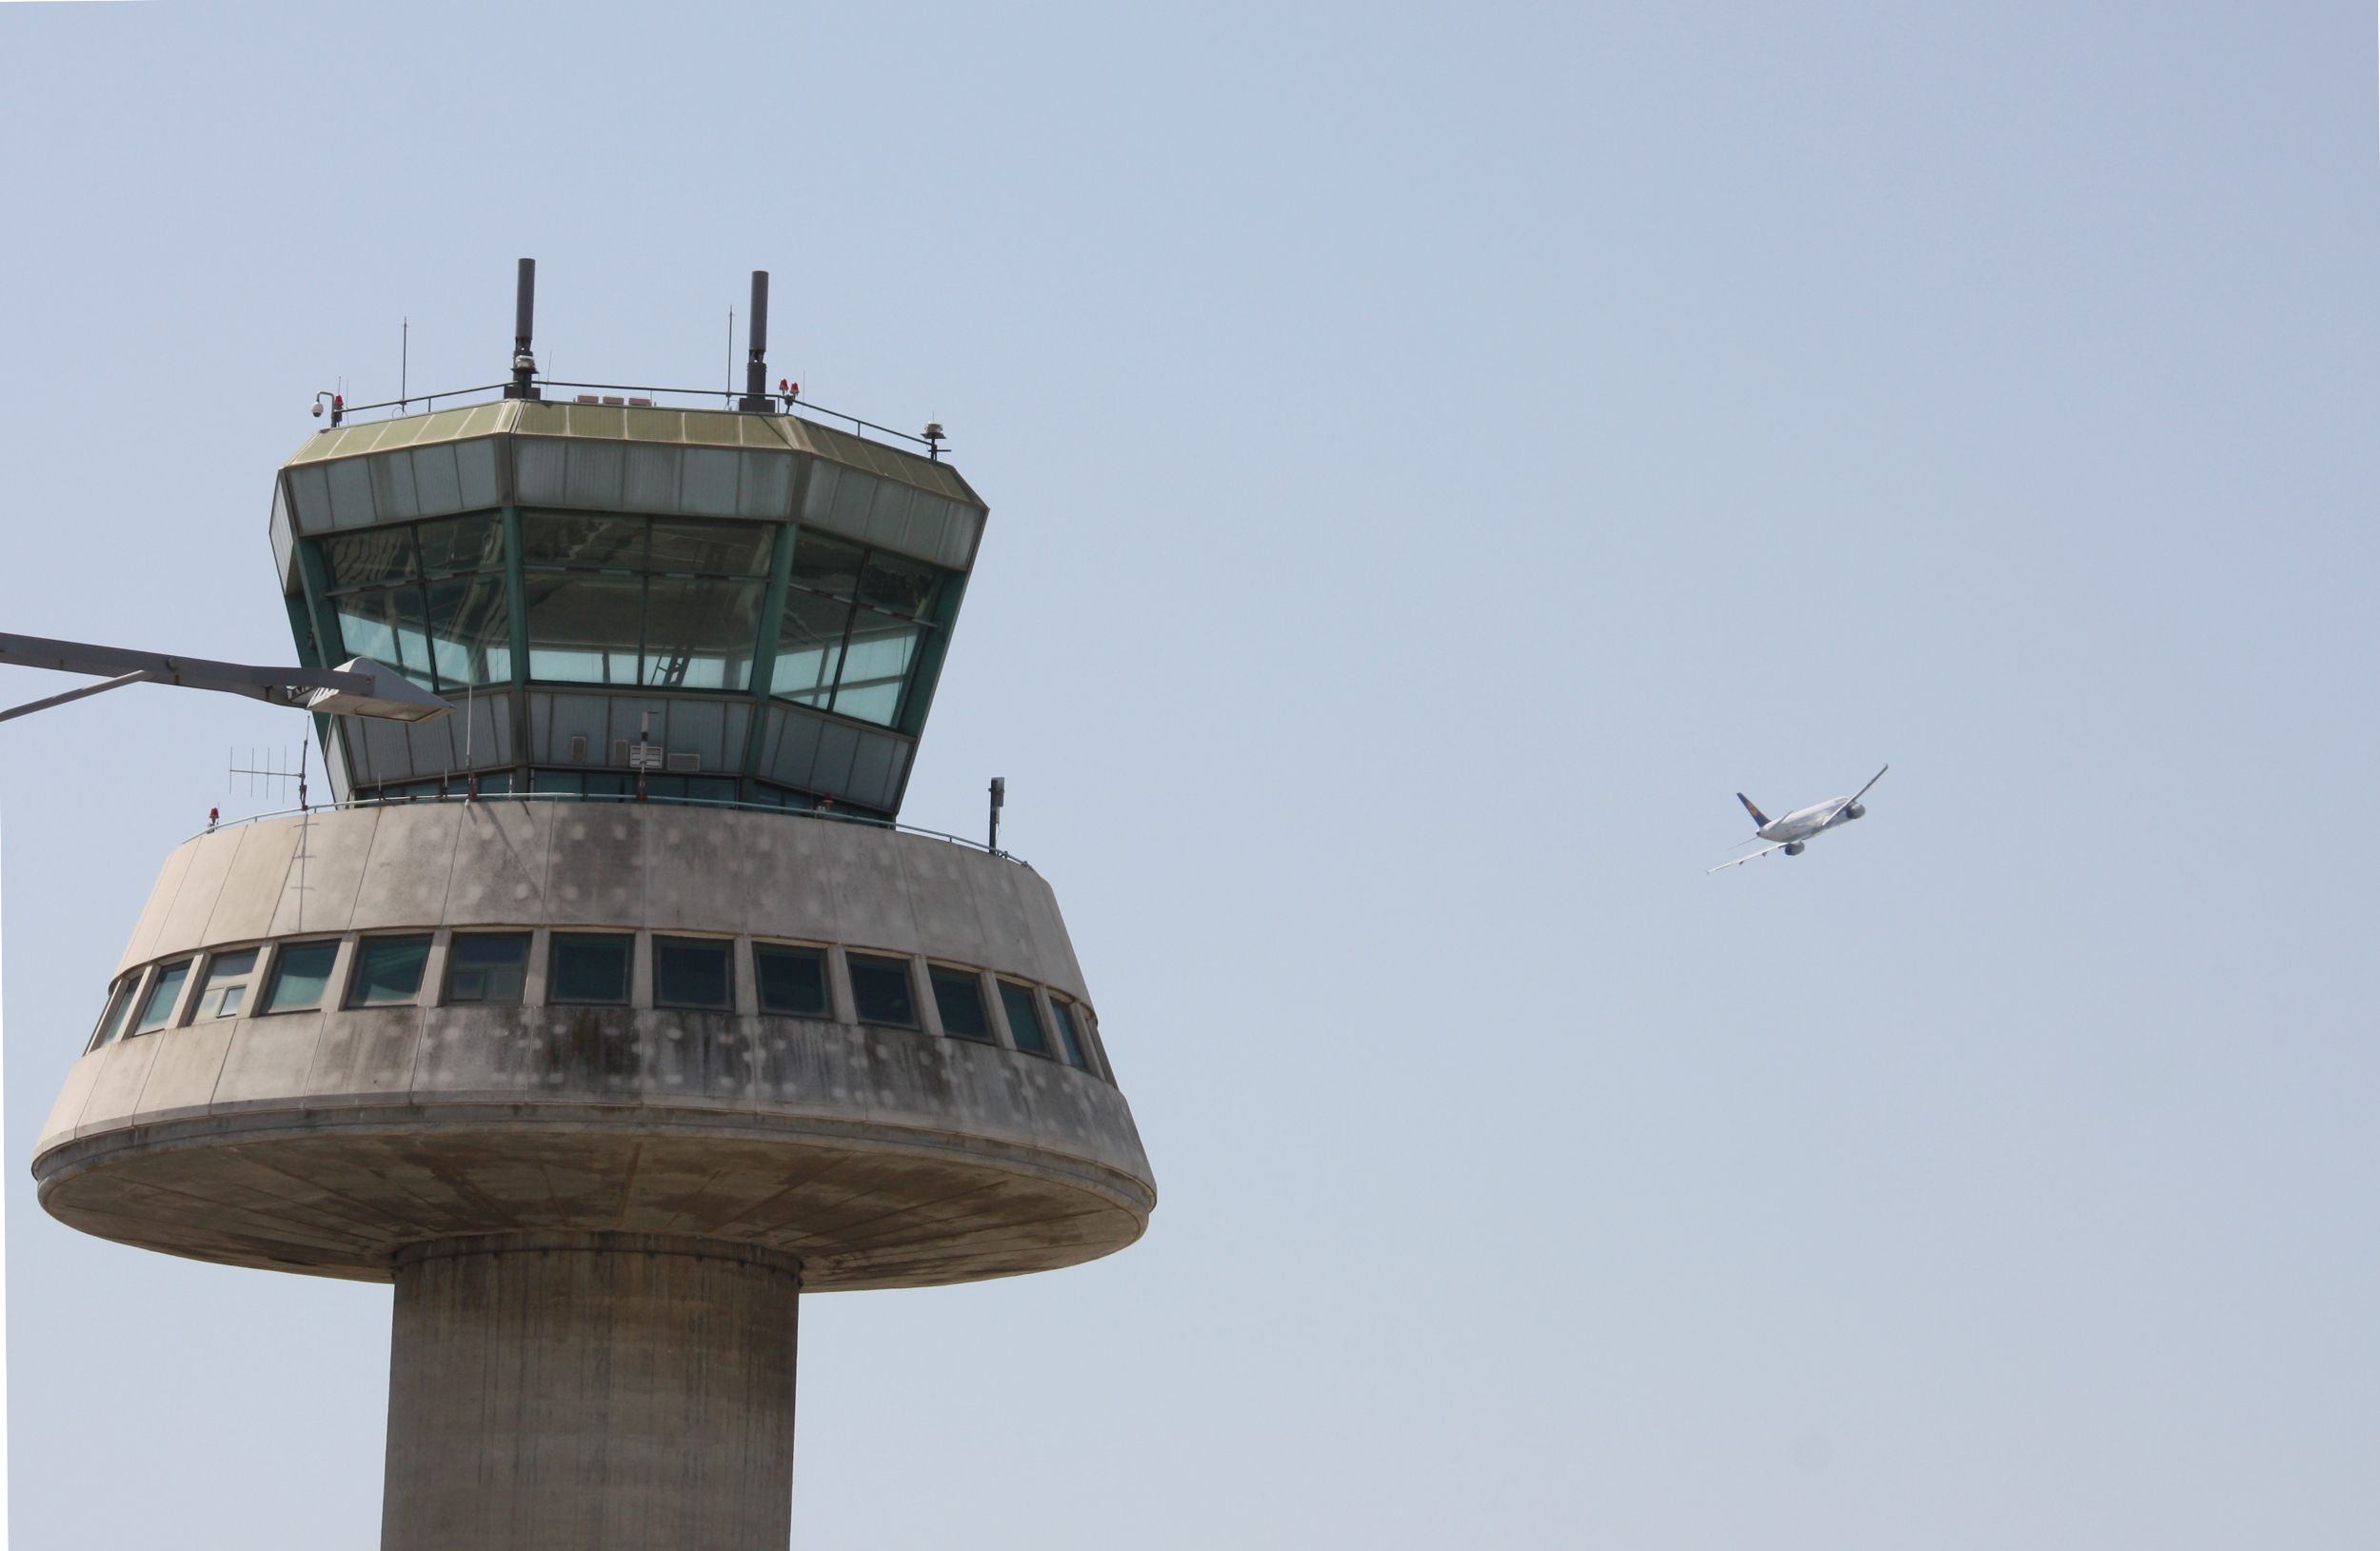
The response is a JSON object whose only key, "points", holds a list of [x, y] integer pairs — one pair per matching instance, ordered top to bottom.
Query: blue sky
{"points": [[1436, 459]]}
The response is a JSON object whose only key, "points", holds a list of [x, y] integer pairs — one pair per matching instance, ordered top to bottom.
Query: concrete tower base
{"points": [[565, 1392]]}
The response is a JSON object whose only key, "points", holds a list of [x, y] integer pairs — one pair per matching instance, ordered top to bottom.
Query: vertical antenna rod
{"points": [[524, 316], [755, 399]]}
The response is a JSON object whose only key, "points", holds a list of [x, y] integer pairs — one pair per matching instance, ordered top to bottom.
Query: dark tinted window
{"points": [[487, 966], [589, 967], [389, 969], [301, 972], [692, 973], [792, 980], [880, 991], [959, 996], [119, 1010], [1024, 1020], [1068, 1036]]}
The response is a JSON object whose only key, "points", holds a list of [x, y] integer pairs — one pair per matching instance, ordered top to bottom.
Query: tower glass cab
{"points": [[759, 602]]}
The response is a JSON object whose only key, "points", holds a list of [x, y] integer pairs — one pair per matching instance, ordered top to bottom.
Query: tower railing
{"points": [[428, 403], [427, 798]]}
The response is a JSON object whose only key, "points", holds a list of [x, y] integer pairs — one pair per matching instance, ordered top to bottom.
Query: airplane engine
{"points": [[1855, 812], [1794, 847]]}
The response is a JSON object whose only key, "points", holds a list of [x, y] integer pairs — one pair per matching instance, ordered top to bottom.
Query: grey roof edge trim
{"points": [[465, 423]]}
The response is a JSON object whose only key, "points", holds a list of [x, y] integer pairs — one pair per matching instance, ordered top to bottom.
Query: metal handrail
{"points": [[349, 411], [354, 803]]}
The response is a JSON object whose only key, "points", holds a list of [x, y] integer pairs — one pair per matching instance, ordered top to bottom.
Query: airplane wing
{"points": [[1863, 791], [1748, 856]]}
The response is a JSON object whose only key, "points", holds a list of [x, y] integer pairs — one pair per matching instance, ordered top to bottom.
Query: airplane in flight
{"points": [[1793, 833]]}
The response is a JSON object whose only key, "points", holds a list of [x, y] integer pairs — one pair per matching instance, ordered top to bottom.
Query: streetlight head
{"points": [[392, 696]]}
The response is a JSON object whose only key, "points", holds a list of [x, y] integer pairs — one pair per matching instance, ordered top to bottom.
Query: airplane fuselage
{"points": [[1803, 823]]}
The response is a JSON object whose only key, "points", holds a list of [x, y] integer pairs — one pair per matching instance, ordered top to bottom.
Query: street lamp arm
{"points": [[358, 687]]}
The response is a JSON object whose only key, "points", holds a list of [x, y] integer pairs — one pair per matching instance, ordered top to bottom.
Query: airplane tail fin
{"points": [[1758, 817]]}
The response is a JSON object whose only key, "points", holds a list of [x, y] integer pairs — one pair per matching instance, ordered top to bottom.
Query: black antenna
{"points": [[524, 317], [405, 356], [755, 399]]}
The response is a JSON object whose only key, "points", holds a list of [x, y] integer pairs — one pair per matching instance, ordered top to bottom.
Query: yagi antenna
{"points": [[272, 768]]}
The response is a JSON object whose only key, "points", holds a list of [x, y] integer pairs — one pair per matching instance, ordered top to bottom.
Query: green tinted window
{"points": [[461, 543], [697, 548], [371, 558], [828, 566], [897, 586], [470, 629], [700, 634], [487, 966], [590, 969], [389, 970], [301, 971], [692, 973], [792, 980], [880, 991], [162, 997], [958, 997], [1024, 1020]]}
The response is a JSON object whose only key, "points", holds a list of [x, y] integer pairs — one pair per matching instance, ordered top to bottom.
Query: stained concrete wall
{"points": [[505, 862], [556, 1394]]}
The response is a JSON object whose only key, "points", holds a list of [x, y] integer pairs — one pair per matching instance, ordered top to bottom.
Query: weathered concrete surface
{"points": [[500, 863], [330, 1141], [565, 1393]]}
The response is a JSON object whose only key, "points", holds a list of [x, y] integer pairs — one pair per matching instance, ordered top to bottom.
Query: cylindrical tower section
{"points": [[553, 1392]]}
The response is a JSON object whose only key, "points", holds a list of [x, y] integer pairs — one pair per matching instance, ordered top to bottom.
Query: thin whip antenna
{"points": [[404, 357]]}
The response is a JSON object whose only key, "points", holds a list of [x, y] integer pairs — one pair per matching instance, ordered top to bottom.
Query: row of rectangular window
{"points": [[597, 969]]}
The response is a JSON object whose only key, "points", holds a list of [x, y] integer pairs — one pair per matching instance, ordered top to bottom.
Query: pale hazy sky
{"points": [[1437, 456]]}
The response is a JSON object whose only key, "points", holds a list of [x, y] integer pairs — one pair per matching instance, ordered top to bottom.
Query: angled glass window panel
{"points": [[586, 541], [462, 543], [687, 548], [369, 558], [825, 564], [897, 586], [386, 625], [585, 628], [470, 629], [700, 634], [809, 648], [876, 666], [487, 966], [590, 969], [389, 970], [301, 972], [693, 972], [792, 980], [227, 984], [880, 991], [162, 996], [958, 997], [117, 1013], [1024, 1020], [1069, 1039]]}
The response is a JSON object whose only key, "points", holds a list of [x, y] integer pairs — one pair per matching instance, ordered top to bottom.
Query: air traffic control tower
{"points": [[609, 1015]]}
